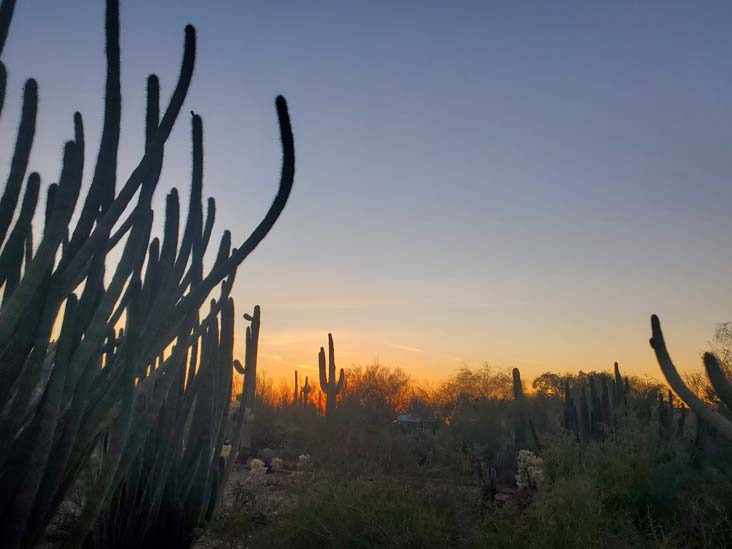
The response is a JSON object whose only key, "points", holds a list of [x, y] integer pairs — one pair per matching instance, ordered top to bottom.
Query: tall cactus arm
{"points": [[6, 14], [3, 85], [19, 162], [101, 190], [99, 237], [197, 295], [332, 365], [321, 368], [719, 380], [518, 390], [701, 408]]}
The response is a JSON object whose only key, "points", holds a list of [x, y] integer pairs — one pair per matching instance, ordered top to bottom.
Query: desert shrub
{"points": [[385, 391], [627, 490], [380, 513]]}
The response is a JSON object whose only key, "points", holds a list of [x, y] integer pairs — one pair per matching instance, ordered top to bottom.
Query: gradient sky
{"points": [[518, 183]]}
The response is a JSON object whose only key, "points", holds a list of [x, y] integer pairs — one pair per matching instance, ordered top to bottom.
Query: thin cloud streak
{"points": [[405, 348]]}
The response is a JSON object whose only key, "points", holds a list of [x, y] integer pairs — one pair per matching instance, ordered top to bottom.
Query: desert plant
{"points": [[249, 371], [717, 378], [328, 383], [59, 400], [519, 426]]}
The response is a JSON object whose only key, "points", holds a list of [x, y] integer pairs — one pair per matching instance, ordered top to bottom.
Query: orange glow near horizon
{"points": [[281, 353]]}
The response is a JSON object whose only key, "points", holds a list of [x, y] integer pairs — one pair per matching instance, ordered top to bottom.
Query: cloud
{"points": [[405, 348]]}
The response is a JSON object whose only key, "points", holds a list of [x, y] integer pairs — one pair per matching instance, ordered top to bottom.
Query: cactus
{"points": [[250, 378], [328, 383], [722, 386], [296, 393], [305, 394], [605, 401], [159, 415], [584, 415], [519, 426], [487, 476]]}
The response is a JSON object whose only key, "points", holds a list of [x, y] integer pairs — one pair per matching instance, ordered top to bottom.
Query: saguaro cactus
{"points": [[328, 383]]}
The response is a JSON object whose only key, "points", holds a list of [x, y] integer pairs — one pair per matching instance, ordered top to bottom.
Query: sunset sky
{"points": [[518, 183]]}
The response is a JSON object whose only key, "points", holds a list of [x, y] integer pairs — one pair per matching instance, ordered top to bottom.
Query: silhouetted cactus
{"points": [[250, 378], [328, 383], [722, 386], [136, 392], [619, 392], [296, 393], [305, 393], [584, 415], [519, 426]]}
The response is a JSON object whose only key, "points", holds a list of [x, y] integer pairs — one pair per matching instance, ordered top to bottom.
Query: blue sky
{"points": [[521, 183]]}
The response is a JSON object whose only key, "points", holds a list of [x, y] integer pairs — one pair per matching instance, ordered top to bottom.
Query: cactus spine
{"points": [[328, 383]]}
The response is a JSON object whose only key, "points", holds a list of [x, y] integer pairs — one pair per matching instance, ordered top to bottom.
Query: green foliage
{"points": [[623, 491], [371, 513]]}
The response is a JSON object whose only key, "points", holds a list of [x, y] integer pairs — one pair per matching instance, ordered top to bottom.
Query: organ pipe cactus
{"points": [[328, 383], [721, 385], [138, 392]]}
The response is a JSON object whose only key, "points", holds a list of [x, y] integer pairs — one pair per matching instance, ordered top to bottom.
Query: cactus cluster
{"points": [[328, 385], [301, 394], [140, 403], [589, 412], [175, 482]]}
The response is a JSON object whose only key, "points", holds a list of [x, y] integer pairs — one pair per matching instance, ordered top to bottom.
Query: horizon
{"points": [[521, 186]]}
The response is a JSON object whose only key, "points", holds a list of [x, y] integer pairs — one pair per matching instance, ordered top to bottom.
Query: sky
{"points": [[513, 183]]}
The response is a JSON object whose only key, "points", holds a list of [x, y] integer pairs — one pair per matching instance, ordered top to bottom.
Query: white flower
{"points": [[225, 451], [276, 464], [257, 467], [530, 470]]}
